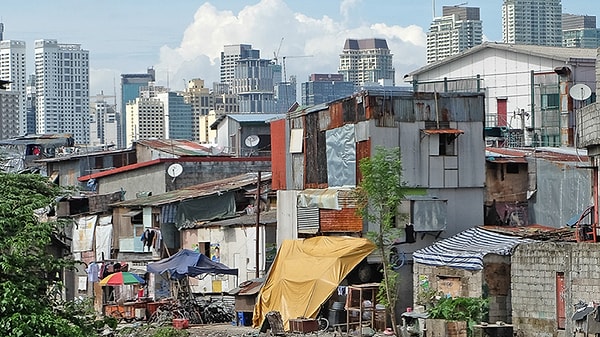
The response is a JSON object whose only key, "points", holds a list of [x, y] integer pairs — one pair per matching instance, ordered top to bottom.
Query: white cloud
{"points": [[263, 25]]}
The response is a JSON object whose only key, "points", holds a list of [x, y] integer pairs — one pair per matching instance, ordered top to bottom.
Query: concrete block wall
{"points": [[471, 281], [534, 284]]}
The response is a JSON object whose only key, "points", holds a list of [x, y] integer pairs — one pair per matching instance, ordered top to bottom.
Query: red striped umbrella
{"points": [[121, 278]]}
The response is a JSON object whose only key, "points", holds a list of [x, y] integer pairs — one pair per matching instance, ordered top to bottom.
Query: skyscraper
{"points": [[532, 22], [458, 28], [579, 31], [230, 55], [366, 61], [13, 69], [253, 83], [62, 89], [130, 90], [202, 102], [146, 115], [177, 115], [103, 121]]}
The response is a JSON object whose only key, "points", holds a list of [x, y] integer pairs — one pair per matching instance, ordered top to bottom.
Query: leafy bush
{"points": [[469, 309]]}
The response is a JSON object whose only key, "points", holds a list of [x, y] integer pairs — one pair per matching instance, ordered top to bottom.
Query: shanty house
{"points": [[527, 88], [316, 152], [170, 165], [543, 185], [173, 217]]}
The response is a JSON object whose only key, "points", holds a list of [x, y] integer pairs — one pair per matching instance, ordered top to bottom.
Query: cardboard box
{"points": [[304, 325]]}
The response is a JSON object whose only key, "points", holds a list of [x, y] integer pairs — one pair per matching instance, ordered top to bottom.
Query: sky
{"points": [[183, 39]]}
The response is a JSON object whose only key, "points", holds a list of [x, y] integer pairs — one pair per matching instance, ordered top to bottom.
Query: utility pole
{"points": [[257, 224]]}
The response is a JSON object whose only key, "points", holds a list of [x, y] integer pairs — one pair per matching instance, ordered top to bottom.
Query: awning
{"points": [[442, 131], [132, 213], [466, 249]]}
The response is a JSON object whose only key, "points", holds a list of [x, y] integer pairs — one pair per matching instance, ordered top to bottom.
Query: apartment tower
{"points": [[532, 22], [458, 28], [579, 31], [230, 55], [366, 61], [62, 89], [130, 90], [13, 117]]}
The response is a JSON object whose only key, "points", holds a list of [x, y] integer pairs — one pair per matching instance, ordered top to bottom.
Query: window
{"points": [[447, 144], [512, 168]]}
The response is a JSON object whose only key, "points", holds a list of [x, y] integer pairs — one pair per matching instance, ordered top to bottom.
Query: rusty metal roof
{"points": [[442, 131], [178, 147], [520, 155], [196, 191], [265, 217], [536, 232]]}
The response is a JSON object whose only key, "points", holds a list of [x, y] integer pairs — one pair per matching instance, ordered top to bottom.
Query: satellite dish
{"points": [[580, 92], [252, 141], [175, 170]]}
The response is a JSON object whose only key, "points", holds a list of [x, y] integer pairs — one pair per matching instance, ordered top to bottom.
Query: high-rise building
{"points": [[532, 22], [458, 28], [579, 31], [230, 55], [366, 61], [13, 69], [254, 84], [322, 88], [62, 89], [130, 90], [285, 95], [202, 102], [30, 105], [9, 113], [146, 115], [177, 116], [103, 121]]}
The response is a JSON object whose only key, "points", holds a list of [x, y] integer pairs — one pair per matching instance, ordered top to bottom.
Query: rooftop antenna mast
{"points": [[433, 8]]}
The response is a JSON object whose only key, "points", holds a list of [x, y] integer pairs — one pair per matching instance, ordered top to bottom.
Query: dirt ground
{"points": [[223, 330]]}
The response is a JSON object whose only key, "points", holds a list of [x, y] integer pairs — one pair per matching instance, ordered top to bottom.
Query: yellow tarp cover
{"points": [[305, 273]]}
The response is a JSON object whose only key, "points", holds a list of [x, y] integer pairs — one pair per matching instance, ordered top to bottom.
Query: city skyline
{"points": [[183, 40]]}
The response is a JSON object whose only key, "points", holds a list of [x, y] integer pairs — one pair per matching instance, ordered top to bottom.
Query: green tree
{"points": [[380, 192], [27, 268]]}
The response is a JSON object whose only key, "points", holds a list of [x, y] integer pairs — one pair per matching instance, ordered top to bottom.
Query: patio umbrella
{"points": [[121, 278]]}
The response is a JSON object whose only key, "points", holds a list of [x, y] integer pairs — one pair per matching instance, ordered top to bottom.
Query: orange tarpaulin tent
{"points": [[305, 273]]}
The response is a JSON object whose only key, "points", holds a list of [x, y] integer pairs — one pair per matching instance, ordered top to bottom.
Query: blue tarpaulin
{"points": [[178, 266]]}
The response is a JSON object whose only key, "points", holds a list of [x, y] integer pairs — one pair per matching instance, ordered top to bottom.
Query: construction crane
{"points": [[276, 53], [289, 57]]}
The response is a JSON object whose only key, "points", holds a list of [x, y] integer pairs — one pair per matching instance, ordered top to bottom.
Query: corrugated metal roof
{"points": [[556, 53], [255, 117], [247, 118], [178, 147], [555, 154], [83, 155], [190, 159], [120, 169], [196, 191], [265, 217], [467, 249]]}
